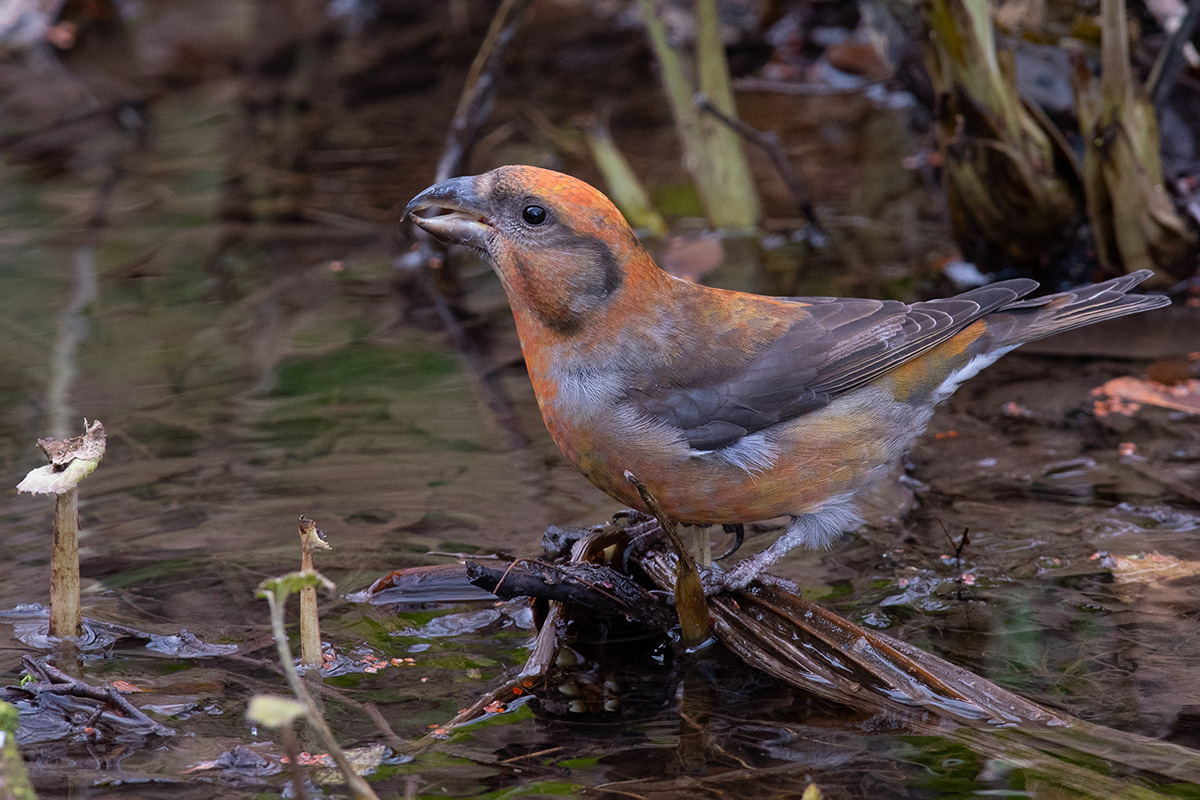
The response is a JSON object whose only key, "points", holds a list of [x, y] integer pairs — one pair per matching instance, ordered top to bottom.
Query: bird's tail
{"points": [[1043, 316]]}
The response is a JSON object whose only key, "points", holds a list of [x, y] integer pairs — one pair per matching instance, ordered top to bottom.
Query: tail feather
{"points": [[1044, 316]]}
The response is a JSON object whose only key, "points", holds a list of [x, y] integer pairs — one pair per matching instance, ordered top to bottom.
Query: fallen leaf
{"points": [[1124, 391]]}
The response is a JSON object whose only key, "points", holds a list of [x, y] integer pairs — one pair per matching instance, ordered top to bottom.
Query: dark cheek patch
{"points": [[597, 264], [579, 273]]}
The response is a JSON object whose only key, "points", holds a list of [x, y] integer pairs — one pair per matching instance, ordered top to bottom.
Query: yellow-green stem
{"points": [[310, 623], [14, 779], [362, 790]]}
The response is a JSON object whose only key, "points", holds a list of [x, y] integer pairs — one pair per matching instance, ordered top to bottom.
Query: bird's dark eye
{"points": [[534, 215]]}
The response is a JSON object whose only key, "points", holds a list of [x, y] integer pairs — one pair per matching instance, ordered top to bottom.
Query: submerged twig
{"points": [[478, 360], [51, 680]]}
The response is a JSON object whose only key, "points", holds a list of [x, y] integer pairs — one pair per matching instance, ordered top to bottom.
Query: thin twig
{"points": [[475, 103], [474, 107], [479, 362], [52, 680], [393, 739]]}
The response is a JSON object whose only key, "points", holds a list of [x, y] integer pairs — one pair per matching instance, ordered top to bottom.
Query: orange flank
{"points": [[921, 377]]}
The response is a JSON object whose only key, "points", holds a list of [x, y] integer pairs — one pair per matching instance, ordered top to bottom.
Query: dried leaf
{"points": [[88, 446], [71, 460]]}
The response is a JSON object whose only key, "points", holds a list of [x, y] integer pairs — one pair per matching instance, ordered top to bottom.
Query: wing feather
{"points": [[837, 346]]}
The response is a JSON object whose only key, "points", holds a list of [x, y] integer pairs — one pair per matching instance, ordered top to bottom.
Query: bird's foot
{"points": [[715, 581]]}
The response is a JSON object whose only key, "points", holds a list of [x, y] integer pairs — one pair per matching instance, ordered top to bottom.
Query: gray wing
{"points": [[840, 345]]}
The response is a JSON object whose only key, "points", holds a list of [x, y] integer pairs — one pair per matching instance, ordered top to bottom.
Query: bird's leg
{"points": [[817, 530], [739, 535], [695, 538], [749, 568]]}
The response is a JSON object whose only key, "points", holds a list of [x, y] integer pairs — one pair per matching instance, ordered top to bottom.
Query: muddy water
{"points": [[198, 247]]}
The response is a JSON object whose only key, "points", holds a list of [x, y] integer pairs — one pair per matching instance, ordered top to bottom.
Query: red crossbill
{"points": [[729, 407]]}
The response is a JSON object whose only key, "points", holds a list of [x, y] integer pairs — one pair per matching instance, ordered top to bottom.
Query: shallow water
{"points": [[197, 240]]}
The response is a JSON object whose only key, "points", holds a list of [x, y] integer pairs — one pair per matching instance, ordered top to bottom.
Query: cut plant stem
{"points": [[71, 460], [311, 538], [66, 614]]}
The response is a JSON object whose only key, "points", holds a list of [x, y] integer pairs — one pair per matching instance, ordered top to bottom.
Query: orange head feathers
{"points": [[560, 247], [729, 407]]}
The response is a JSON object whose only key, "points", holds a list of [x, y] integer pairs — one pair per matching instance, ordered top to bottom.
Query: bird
{"points": [[729, 407]]}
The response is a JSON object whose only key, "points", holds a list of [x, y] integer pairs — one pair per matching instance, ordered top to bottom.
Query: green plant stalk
{"points": [[710, 149], [727, 162], [623, 185], [66, 617], [14, 779], [362, 790]]}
